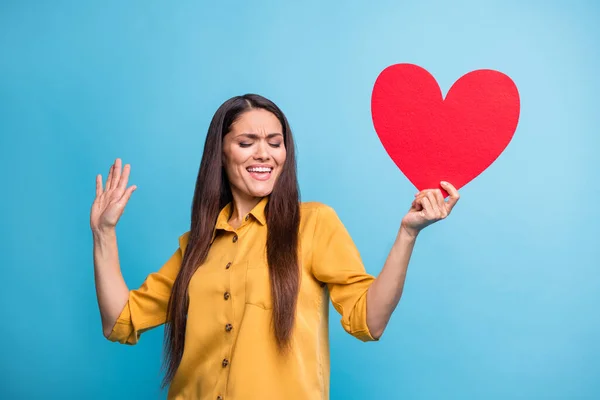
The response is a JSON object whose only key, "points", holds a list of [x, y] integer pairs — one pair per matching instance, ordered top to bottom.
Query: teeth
{"points": [[259, 169]]}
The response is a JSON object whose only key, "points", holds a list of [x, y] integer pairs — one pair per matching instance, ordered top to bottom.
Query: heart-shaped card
{"points": [[453, 139]]}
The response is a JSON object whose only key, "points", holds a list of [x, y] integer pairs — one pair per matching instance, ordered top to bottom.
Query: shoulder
{"points": [[310, 207], [317, 211], [183, 241]]}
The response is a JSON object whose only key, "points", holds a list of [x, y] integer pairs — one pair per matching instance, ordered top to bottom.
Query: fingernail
{"points": [[444, 183]]}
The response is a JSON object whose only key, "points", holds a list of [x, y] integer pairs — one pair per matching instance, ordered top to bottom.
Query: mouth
{"points": [[260, 173]]}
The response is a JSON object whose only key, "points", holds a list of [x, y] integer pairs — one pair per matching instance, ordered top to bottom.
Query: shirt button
{"points": [[247, 216], [235, 238], [228, 265], [226, 295], [228, 327], [225, 363], [219, 397]]}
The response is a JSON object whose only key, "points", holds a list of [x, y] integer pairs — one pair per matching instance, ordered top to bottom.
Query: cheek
{"points": [[280, 157], [234, 161], [228, 164], [238, 171]]}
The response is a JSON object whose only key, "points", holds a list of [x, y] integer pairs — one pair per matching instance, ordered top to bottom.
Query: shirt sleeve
{"points": [[336, 261], [146, 307]]}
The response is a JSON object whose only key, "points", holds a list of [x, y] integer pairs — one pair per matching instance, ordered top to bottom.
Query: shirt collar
{"points": [[258, 212]]}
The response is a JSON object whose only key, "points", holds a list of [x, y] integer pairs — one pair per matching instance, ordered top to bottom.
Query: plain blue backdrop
{"points": [[501, 299]]}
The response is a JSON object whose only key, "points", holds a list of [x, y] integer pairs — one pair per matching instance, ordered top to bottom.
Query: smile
{"points": [[259, 169], [260, 173]]}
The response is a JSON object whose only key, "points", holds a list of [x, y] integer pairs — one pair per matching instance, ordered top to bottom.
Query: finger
{"points": [[117, 174], [125, 177], [109, 178], [98, 185], [127, 195], [421, 195], [454, 195], [418, 197], [441, 204], [416, 205], [427, 207], [436, 210]]}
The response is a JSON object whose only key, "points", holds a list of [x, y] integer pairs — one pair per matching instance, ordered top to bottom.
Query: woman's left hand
{"points": [[429, 207]]}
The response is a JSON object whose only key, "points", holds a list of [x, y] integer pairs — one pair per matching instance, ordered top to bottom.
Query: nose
{"points": [[262, 152]]}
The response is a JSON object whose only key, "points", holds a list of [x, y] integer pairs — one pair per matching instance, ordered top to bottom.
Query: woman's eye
{"points": [[245, 144], [275, 145]]}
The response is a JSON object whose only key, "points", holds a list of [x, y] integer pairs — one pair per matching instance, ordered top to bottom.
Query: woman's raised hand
{"points": [[110, 202], [429, 207]]}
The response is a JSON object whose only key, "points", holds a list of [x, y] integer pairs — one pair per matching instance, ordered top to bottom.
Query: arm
{"points": [[108, 206], [337, 262], [111, 291], [385, 292], [146, 306], [126, 314]]}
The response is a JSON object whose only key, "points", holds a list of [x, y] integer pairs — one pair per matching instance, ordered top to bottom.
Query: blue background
{"points": [[501, 299]]}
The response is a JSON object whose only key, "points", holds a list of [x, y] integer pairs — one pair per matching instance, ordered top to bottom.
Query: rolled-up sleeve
{"points": [[336, 261], [146, 307]]}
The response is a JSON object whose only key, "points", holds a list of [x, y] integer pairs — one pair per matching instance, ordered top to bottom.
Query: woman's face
{"points": [[254, 153]]}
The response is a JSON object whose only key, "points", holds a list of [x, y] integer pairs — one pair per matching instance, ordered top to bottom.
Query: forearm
{"points": [[111, 291], [385, 292]]}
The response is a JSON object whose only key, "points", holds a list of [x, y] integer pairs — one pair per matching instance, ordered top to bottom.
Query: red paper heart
{"points": [[433, 139]]}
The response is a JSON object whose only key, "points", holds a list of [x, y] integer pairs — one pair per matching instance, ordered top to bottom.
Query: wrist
{"points": [[104, 233], [406, 233]]}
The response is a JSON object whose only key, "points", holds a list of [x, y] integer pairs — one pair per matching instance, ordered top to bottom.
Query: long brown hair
{"points": [[212, 193]]}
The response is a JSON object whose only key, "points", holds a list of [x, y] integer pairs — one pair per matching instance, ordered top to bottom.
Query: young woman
{"points": [[245, 295]]}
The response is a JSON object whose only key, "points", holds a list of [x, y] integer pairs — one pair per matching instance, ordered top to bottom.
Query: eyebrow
{"points": [[255, 136]]}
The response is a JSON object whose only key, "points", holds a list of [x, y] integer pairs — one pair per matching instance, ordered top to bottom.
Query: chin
{"points": [[261, 192]]}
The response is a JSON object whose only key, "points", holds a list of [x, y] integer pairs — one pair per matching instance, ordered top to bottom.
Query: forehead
{"points": [[257, 121]]}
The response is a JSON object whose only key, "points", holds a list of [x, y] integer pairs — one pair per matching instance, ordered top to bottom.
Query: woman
{"points": [[246, 293]]}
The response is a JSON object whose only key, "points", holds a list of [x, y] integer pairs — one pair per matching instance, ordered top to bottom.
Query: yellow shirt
{"points": [[230, 349]]}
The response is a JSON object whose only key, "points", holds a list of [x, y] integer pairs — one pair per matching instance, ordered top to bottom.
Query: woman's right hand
{"points": [[110, 202]]}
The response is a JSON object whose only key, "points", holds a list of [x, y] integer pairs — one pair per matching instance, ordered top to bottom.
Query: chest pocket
{"points": [[258, 287]]}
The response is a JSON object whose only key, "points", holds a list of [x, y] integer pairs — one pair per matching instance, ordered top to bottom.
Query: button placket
{"points": [[228, 294]]}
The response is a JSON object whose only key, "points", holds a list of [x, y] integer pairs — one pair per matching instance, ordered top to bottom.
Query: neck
{"points": [[242, 205]]}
